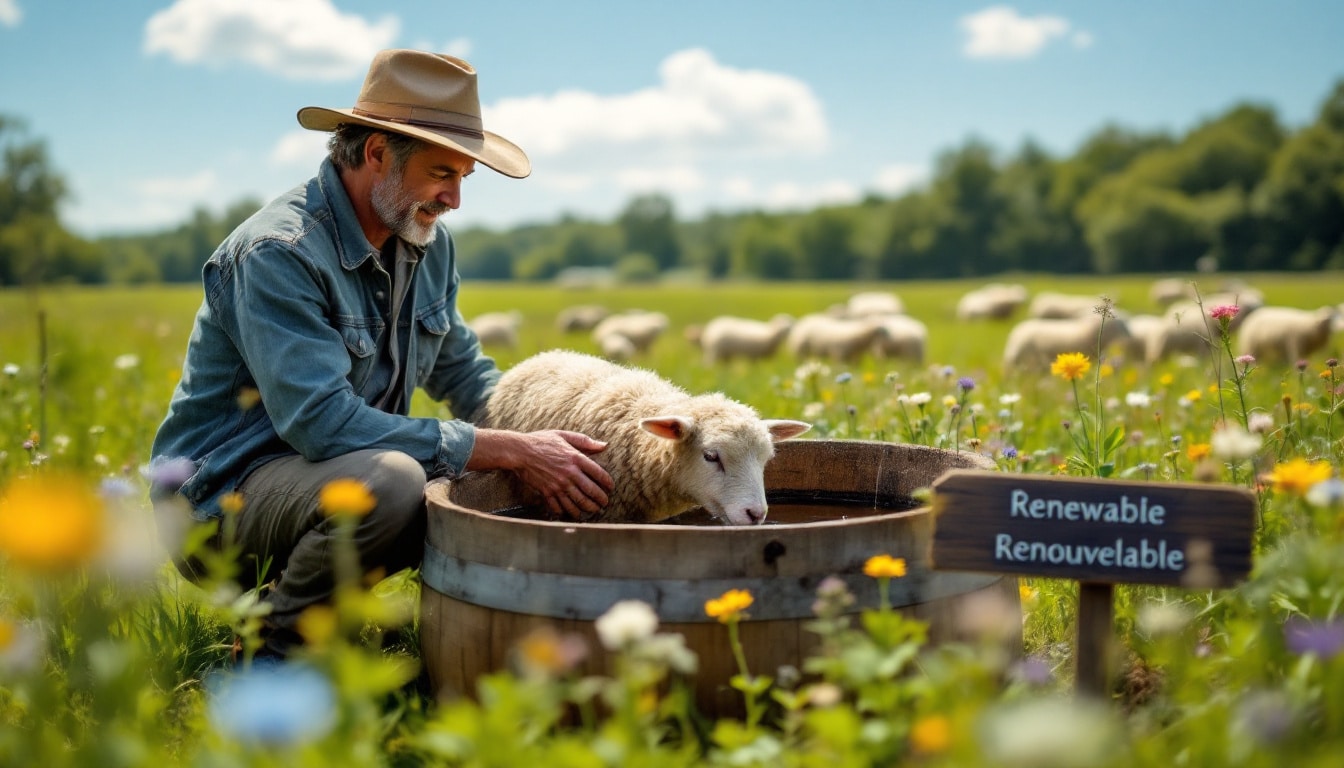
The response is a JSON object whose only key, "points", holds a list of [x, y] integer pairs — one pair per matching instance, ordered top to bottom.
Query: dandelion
{"points": [[1070, 366], [1166, 379], [1193, 396], [248, 398], [1197, 451], [1297, 476], [346, 497], [231, 503], [50, 523], [884, 567], [728, 606], [624, 623], [274, 705], [931, 735]]}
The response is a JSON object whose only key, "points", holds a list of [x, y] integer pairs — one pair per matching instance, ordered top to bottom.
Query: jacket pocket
{"points": [[431, 329], [361, 342]]}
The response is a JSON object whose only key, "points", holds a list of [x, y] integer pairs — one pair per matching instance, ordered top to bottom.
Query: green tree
{"points": [[649, 224], [826, 246]]}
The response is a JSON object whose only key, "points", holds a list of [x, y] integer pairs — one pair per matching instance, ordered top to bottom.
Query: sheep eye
{"points": [[712, 457]]}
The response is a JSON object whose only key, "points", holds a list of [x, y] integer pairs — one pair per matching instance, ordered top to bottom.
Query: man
{"points": [[322, 313]]}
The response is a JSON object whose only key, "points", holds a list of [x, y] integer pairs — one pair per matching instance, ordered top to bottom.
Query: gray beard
{"points": [[397, 209]]}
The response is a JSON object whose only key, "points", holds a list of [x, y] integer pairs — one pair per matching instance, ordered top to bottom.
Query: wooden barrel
{"points": [[489, 579]]}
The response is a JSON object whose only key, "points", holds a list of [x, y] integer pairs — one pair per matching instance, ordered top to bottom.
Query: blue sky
{"points": [[151, 108]]}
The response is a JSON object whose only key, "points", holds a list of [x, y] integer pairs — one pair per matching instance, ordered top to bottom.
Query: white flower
{"points": [[126, 362], [812, 368], [11, 369], [921, 398], [1009, 399], [1138, 399], [813, 411], [1260, 422], [1234, 444], [1327, 493], [1159, 618], [624, 623], [669, 648]]}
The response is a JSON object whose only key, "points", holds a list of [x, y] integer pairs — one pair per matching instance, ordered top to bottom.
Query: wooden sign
{"points": [[1093, 530]]}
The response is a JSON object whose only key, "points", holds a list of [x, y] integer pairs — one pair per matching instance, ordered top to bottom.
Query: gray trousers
{"points": [[281, 522]]}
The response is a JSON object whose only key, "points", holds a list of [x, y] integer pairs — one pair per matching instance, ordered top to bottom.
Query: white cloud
{"points": [[10, 13], [998, 32], [297, 39], [1082, 39], [458, 46], [697, 106], [301, 149], [900, 178], [679, 179], [176, 189], [788, 196]]}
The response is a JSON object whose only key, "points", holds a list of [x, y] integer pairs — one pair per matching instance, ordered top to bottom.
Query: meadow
{"points": [[108, 658]]}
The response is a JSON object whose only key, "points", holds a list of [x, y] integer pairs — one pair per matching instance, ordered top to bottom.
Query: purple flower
{"points": [[1224, 311], [1246, 359], [1302, 365], [948, 371], [966, 383], [1010, 453], [169, 473], [1323, 638], [1033, 670]]}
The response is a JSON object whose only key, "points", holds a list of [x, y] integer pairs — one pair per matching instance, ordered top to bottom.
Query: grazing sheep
{"points": [[1168, 291], [995, 301], [873, 303], [1049, 304], [581, 317], [640, 327], [497, 329], [1184, 329], [1142, 330], [1285, 333], [726, 337], [903, 337], [839, 339], [1034, 343], [616, 347], [667, 451]]}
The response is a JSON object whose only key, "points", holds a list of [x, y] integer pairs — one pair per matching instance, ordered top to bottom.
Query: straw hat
{"points": [[431, 97]]}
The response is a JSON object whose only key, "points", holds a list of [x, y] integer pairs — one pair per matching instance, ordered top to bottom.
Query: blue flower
{"points": [[844, 377], [966, 383], [1010, 453], [1322, 638], [275, 704]]}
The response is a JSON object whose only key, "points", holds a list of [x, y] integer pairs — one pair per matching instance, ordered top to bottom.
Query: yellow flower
{"points": [[1070, 365], [1106, 370], [1327, 374], [869, 377], [1166, 379], [1213, 388], [1194, 395], [248, 397], [949, 401], [1304, 407], [1197, 451], [1297, 476], [346, 496], [231, 503], [50, 523], [884, 567], [1026, 593], [727, 606], [318, 624], [7, 634], [931, 735]]}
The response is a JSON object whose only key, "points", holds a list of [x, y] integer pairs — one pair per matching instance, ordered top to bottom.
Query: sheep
{"points": [[1168, 291], [995, 301], [870, 303], [1049, 304], [581, 317], [640, 327], [499, 329], [1142, 330], [1184, 330], [1285, 333], [726, 337], [904, 337], [843, 340], [1034, 343], [616, 347], [667, 450]]}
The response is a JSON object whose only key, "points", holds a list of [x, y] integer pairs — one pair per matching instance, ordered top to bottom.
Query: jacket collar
{"points": [[353, 246]]}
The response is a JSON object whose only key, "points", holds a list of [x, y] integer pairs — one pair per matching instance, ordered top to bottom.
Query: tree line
{"points": [[1239, 190]]}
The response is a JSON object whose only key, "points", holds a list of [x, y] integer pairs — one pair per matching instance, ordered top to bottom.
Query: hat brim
{"points": [[494, 151]]}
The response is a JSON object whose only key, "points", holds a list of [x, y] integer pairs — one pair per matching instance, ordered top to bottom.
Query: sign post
{"points": [[1097, 532]]}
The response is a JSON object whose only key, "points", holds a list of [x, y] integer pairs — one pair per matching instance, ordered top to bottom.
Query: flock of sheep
{"points": [[876, 323]]}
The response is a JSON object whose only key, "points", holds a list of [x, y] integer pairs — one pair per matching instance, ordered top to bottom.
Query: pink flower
{"points": [[1224, 311]]}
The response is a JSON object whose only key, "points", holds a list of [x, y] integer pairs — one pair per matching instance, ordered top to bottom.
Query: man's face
{"points": [[411, 198]]}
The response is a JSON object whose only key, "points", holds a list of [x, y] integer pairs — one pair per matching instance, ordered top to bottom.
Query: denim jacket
{"points": [[293, 308]]}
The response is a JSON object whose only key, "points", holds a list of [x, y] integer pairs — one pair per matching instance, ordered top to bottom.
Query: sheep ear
{"points": [[668, 427], [783, 429]]}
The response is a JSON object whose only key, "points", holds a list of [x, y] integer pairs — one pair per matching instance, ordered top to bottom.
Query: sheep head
{"points": [[723, 469]]}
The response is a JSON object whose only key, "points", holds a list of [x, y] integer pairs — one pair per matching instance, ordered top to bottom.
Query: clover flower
{"points": [[1070, 366], [624, 623]]}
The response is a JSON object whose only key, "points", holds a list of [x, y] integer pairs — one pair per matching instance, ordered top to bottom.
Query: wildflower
{"points": [[1224, 312], [1245, 360], [126, 362], [1331, 362], [1302, 365], [1070, 366], [810, 369], [11, 370], [1106, 370], [949, 371], [1327, 374], [844, 377], [1166, 379], [966, 383], [1194, 395], [248, 398], [920, 398], [1009, 399], [1138, 399], [949, 401], [813, 411], [1260, 423], [1235, 444], [1197, 451], [1009, 452], [168, 473], [1297, 476], [1327, 493], [346, 496], [231, 503], [50, 523], [884, 567], [1026, 593], [833, 598], [727, 606], [1162, 618], [624, 623], [318, 624], [1325, 639], [21, 647], [668, 648], [545, 653], [824, 695], [276, 704], [1051, 731], [931, 735]]}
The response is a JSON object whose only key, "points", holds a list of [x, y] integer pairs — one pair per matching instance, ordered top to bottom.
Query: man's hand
{"points": [[553, 462]]}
